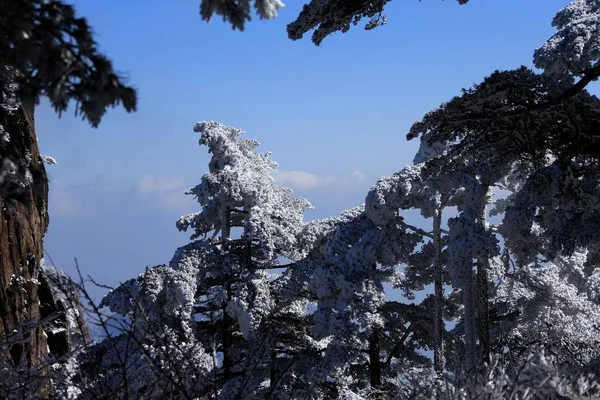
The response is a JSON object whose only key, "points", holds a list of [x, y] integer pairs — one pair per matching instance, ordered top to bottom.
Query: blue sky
{"points": [[335, 116]]}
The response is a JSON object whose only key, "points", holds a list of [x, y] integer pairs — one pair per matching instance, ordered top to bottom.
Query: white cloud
{"points": [[357, 175], [302, 179], [154, 185], [150, 192], [164, 192], [68, 198], [62, 200]]}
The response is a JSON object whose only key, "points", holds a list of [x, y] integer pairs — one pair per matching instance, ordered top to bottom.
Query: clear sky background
{"points": [[335, 116]]}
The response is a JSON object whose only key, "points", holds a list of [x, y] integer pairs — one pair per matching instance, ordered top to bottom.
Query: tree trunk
{"points": [[23, 223], [483, 295], [60, 305], [483, 310], [227, 323], [470, 332], [227, 339], [438, 350], [374, 361], [273, 370]]}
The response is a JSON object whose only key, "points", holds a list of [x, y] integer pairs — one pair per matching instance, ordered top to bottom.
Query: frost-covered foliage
{"points": [[239, 12], [324, 16], [329, 16], [574, 49], [48, 50], [505, 112], [533, 136], [48, 159], [14, 171], [402, 190], [239, 191], [555, 212], [348, 259], [234, 291], [349, 295], [160, 296], [215, 296], [554, 305], [214, 323], [159, 340], [152, 352], [157, 352], [535, 374]]}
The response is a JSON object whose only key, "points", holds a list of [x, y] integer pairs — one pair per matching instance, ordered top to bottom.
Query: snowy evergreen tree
{"points": [[573, 51], [543, 124], [352, 258], [216, 293]]}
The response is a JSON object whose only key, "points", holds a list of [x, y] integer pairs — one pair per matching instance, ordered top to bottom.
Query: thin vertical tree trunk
{"points": [[23, 224], [483, 295], [483, 310], [469, 317], [227, 323], [227, 339], [438, 351], [374, 353], [374, 361], [273, 370]]}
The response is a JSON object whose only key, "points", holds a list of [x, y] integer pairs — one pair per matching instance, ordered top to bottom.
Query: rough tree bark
{"points": [[23, 224], [61, 306], [483, 314], [483, 317], [469, 318], [227, 322], [438, 351], [374, 360]]}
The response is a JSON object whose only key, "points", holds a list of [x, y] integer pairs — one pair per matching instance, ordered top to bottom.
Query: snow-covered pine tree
{"points": [[571, 55], [544, 123], [239, 193], [470, 240], [351, 258], [346, 261], [425, 266], [217, 288], [155, 352]]}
